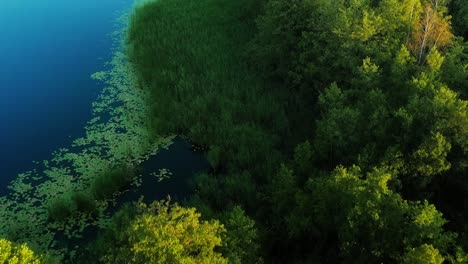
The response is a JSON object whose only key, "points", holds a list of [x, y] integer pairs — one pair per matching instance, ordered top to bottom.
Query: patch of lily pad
{"points": [[118, 133], [162, 175]]}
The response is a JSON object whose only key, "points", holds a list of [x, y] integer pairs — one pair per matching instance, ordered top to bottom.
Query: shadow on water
{"points": [[179, 162]]}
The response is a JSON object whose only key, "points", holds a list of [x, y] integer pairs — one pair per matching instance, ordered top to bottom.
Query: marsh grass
{"points": [[192, 57]]}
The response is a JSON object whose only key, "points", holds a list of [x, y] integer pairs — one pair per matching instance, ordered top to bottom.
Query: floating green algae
{"points": [[118, 133], [162, 175]]}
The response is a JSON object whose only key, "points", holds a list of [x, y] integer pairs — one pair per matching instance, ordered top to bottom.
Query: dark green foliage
{"points": [[459, 12], [455, 68], [214, 157], [303, 157], [111, 181], [227, 190], [83, 202], [68, 205], [60, 209], [359, 217], [108, 239], [241, 241]]}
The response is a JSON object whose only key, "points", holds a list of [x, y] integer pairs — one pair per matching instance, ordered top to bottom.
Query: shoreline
{"points": [[115, 133]]}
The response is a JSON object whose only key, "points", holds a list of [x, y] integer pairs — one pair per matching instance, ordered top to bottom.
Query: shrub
{"points": [[111, 181], [83, 202], [69, 204]]}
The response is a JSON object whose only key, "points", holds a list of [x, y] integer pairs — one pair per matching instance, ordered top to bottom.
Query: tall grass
{"points": [[192, 55]]}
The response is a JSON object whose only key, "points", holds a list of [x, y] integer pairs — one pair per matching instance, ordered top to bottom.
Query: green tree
{"points": [[459, 12], [432, 30], [454, 71], [338, 130], [303, 157], [431, 157], [282, 189], [358, 216], [240, 244], [425, 254]]}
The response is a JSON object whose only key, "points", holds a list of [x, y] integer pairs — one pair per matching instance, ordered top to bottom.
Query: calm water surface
{"points": [[48, 50]]}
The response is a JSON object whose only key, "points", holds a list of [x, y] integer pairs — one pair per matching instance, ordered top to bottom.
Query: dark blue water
{"points": [[48, 50]]}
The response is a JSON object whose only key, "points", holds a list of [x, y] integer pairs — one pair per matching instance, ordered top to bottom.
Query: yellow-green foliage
{"points": [[434, 59], [161, 233], [16, 254], [425, 254]]}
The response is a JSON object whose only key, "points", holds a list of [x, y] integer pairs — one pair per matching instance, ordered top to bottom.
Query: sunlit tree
{"points": [[432, 30], [161, 233], [17, 254]]}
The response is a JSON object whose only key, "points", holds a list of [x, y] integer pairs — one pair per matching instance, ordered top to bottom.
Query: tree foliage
{"points": [[362, 219], [160, 233], [11, 253]]}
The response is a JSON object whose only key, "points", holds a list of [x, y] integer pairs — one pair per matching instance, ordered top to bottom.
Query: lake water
{"points": [[48, 50]]}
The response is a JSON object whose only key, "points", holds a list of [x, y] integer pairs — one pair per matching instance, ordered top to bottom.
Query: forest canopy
{"points": [[340, 126]]}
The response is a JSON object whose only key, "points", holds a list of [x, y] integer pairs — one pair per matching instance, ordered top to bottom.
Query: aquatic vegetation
{"points": [[119, 133], [162, 175]]}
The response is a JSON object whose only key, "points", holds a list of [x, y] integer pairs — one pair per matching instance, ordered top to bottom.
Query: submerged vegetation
{"points": [[337, 132]]}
